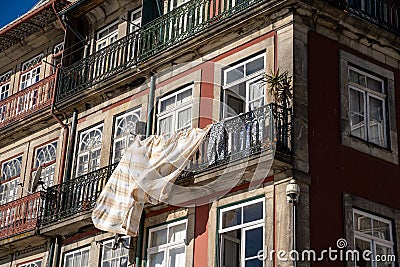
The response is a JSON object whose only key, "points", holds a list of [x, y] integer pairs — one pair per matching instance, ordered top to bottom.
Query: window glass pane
{"points": [[254, 66], [234, 74], [357, 77], [374, 84], [256, 90], [184, 96], [167, 104], [357, 113], [184, 118], [376, 122], [166, 125], [253, 212], [231, 218], [362, 224], [381, 230], [177, 233], [158, 237], [253, 242], [361, 246], [386, 251], [231, 252], [107, 253], [177, 257], [85, 258], [156, 260], [123, 262], [253, 263]]}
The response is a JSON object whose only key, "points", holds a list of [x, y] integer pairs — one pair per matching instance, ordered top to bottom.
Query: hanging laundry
{"points": [[216, 144], [145, 174]]}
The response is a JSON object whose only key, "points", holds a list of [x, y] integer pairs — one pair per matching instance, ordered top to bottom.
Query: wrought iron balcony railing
{"points": [[383, 13], [158, 35], [27, 101], [265, 128], [249, 134], [77, 195], [20, 215]]}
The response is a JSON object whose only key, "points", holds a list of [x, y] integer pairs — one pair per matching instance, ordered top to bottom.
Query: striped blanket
{"points": [[145, 174]]}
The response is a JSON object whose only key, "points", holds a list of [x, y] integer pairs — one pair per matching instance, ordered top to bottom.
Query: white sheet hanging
{"points": [[145, 174]]}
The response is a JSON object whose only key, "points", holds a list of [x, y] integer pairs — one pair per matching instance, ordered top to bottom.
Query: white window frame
{"points": [[135, 22], [109, 38], [31, 70], [246, 79], [5, 85], [4, 92], [367, 93], [174, 111], [127, 138], [88, 152], [390, 152], [48, 166], [9, 195], [243, 227], [373, 240], [108, 245], [167, 246], [76, 251], [33, 263]]}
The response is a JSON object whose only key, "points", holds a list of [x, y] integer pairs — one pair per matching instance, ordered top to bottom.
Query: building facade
{"points": [[80, 80]]}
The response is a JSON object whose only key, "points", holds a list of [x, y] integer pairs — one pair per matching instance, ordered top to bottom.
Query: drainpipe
{"points": [[58, 18], [150, 109], [150, 114], [65, 132], [71, 145]]}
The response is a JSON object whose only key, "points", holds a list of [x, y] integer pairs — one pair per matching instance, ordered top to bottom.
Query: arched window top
{"points": [[126, 124], [91, 139], [46, 154], [11, 168]]}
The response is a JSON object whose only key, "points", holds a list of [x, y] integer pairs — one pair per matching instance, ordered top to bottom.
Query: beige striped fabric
{"points": [[145, 174]]}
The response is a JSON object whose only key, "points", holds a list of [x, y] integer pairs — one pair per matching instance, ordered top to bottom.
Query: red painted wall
{"points": [[334, 168]]}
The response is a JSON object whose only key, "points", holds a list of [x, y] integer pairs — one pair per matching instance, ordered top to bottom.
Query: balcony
{"points": [[383, 13], [158, 35], [27, 101], [248, 135], [75, 196], [21, 215]]}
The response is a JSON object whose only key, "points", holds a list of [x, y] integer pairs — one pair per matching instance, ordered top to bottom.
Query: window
{"points": [[136, 20], [134, 25], [107, 36], [108, 60], [30, 72], [243, 87], [4, 92], [367, 107], [368, 110], [175, 111], [124, 125], [89, 148], [45, 157], [10, 172], [241, 234], [374, 234], [167, 245], [115, 257], [77, 258], [37, 263]]}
